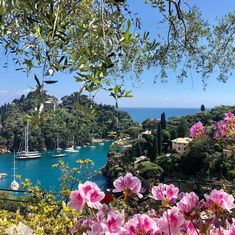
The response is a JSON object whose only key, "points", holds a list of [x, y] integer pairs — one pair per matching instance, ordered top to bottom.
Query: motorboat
{"points": [[71, 150], [3, 175]]}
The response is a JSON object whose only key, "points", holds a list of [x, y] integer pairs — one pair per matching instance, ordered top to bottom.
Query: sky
{"points": [[190, 93]]}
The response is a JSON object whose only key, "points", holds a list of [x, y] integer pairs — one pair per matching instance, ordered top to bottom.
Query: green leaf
{"points": [[50, 81]]}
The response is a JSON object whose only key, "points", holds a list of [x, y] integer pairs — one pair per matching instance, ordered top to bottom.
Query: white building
{"points": [[180, 144]]}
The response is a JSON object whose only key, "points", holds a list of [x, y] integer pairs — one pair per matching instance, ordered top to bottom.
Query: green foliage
{"points": [[203, 109], [76, 117], [163, 121], [150, 124], [182, 129], [159, 139], [196, 160], [170, 164], [150, 170], [45, 212]]}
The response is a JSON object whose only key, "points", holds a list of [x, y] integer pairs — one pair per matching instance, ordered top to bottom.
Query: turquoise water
{"points": [[140, 114], [41, 169]]}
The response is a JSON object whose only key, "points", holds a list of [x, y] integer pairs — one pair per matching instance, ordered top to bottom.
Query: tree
{"points": [[94, 39], [203, 108], [163, 121], [150, 124], [183, 129], [159, 139], [155, 153], [196, 159]]}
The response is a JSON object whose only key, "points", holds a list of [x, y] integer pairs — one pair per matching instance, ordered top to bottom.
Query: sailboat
{"points": [[71, 149], [26, 154], [57, 154], [14, 183]]}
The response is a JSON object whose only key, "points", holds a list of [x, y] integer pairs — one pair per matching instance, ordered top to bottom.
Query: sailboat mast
{"points": [[27, 137], [57, 141], [14, 169]]}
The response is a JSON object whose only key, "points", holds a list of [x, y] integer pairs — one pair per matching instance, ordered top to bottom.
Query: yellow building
{"points": [[180, 144]]}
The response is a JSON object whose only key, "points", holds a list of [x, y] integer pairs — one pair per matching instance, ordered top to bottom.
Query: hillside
{"points": [[75, 117]]}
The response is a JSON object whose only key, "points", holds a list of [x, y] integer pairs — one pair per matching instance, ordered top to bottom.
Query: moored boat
{"points": [[26, 154], [3, 175]]}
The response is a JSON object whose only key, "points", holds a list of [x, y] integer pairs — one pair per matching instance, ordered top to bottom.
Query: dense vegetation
{"points": [[75, 117], [203, 160]]}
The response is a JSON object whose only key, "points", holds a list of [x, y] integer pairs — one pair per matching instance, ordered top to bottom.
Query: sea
{"points": [[140, 114], [41, 170]]}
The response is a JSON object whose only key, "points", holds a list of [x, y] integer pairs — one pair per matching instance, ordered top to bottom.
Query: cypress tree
{"points": [[203, 108], [163, 121], [159, 139], [155, 149]]}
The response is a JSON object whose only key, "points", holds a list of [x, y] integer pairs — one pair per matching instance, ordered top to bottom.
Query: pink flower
{"points": [[228, 116], [220, 129], [197, 130], [128, 183], [165, 192], [88, 193], [219, 199], [76, 201], [188, 202], [105, 221], [114, 221], [171, 222], [141, 224], [188, 228], [231, 231]]}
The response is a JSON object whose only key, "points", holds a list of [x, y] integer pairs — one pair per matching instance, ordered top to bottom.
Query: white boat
{"points": [[102, 143], [77, 147], [58, 149], [71, 150], [26, 154], [59, 155], [3, 175], [14, 183]]}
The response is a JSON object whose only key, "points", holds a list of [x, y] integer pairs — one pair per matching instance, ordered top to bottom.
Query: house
{"points": [[50, 104], [180, 144]]}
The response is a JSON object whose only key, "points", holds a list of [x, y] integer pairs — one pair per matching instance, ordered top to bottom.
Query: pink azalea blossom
{"points": [[228, 116], [197, 130], [128, 182], [163, 192], [88, 193], [220, 199], [77, 201], [188, 202], [106, 221], [114, 221], [171, 222], [141, 224], [188, 228], [231, 231]]}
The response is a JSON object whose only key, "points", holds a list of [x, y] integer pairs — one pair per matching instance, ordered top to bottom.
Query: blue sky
{"points": [[172, 94]]}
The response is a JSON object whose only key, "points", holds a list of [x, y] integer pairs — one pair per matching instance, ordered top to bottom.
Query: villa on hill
{"points": [[180, 144]]}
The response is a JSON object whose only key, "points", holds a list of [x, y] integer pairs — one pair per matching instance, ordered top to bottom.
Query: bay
{"points": [[141, 114], [41, 169]]}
